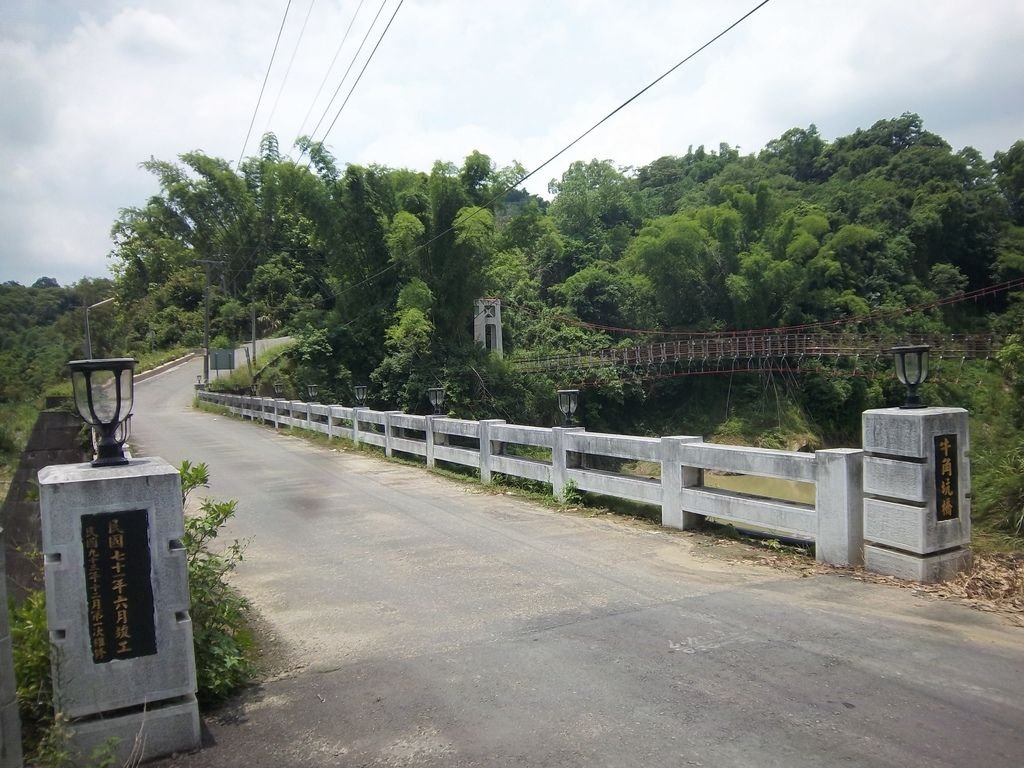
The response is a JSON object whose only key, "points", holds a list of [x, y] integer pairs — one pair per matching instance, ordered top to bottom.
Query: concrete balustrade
{"points": [[834, 523]]}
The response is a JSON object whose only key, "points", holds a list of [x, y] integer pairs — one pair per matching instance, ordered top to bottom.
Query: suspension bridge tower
{"points": [[487, 325]]}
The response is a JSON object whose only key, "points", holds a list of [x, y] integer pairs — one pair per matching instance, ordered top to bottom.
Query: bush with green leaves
{"points": [[220, 626]]}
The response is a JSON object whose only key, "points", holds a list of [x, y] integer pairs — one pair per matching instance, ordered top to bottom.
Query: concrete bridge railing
{"points": [[567, 456]]}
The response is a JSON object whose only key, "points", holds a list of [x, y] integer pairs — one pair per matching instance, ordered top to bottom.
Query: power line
{"points": [[291, 61], [330, 67], [348, 69], [362, 71], [263, 87], [639, 93], [570, 145]]}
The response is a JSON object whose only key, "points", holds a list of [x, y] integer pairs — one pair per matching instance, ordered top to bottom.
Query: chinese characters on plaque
{"points": [[947, 496], [118, 588]]}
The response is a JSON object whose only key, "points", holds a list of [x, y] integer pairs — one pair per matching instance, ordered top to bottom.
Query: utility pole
{"points": [[206, 324], [254, 331]]}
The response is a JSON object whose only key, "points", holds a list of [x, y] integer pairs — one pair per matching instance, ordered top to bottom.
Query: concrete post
{"points": [[330, 421], [355, 426], [389, 432], [428, 433], [487, 448], [560, 459], [675, 476], [917, 492], [839, 503], [117, 607], [10, 724]]}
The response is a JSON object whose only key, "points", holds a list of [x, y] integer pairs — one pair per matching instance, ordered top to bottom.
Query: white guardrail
{"points": [[834, 522]]}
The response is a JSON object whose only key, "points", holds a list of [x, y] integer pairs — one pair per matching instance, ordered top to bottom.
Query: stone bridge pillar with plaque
{"points": [[917, 492], [117, 605]]}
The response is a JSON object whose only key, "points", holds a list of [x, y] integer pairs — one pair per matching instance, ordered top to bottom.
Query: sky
{"points": [[91, 88]]}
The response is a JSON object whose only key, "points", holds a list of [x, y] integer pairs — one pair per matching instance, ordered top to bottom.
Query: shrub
{"points": [[220, 627]]}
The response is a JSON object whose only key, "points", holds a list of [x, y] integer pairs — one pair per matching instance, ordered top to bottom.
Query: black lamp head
{"points": [[912, 370], [360, 393], [104, 394], [436, 397], [568, 402]]}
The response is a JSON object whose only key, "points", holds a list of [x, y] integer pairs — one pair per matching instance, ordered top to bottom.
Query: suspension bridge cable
{"points": [[291, 61], [330, 67], [344, 77], [259, 99], [570, 145], [955, 298]]}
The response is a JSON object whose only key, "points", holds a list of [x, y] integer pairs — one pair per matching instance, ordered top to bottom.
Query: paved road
{"points": [[430, 625]]}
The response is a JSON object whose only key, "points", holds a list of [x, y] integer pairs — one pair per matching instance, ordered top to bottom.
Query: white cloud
{"points": [[86, 96]]}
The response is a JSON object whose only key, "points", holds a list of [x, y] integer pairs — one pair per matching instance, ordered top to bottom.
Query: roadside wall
{"points": [[54, 440]]}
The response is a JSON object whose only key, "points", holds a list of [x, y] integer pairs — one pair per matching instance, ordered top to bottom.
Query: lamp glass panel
{"points": [[911, 369], [901, 371], [80, 384], [563, 402], [105, 405]]}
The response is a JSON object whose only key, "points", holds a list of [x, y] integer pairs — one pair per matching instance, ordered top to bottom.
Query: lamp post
{"points": [[88, 335], [911, 370], [277, 389], [311, 390], [104, 392], [360, 392], [436, 397], [568, 401]]}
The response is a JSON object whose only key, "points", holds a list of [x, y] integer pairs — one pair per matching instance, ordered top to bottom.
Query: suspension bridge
{"points": [[794, 349]]}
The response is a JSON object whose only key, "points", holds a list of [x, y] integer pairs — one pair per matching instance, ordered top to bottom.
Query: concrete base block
{"points": [[908, 433], [914, 528], [927, 568], [143, 735], [10, 736]]}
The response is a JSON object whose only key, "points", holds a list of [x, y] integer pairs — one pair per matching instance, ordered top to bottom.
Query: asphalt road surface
{"points": [[417, 622]]}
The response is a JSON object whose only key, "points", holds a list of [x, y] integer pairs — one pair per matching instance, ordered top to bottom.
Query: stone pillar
{"points": [[487, 448], [561, 461], [675, 476], [917, 492], [839, 503], [117, 606], [10, 724]]}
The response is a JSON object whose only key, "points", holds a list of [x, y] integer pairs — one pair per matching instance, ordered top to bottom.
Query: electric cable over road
{"points": [[291, 61], [330, 67], [344, 77], [263, 87], [564, 149]]}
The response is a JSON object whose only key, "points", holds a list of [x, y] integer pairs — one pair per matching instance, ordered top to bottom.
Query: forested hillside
{"points": [[376, 269]]}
